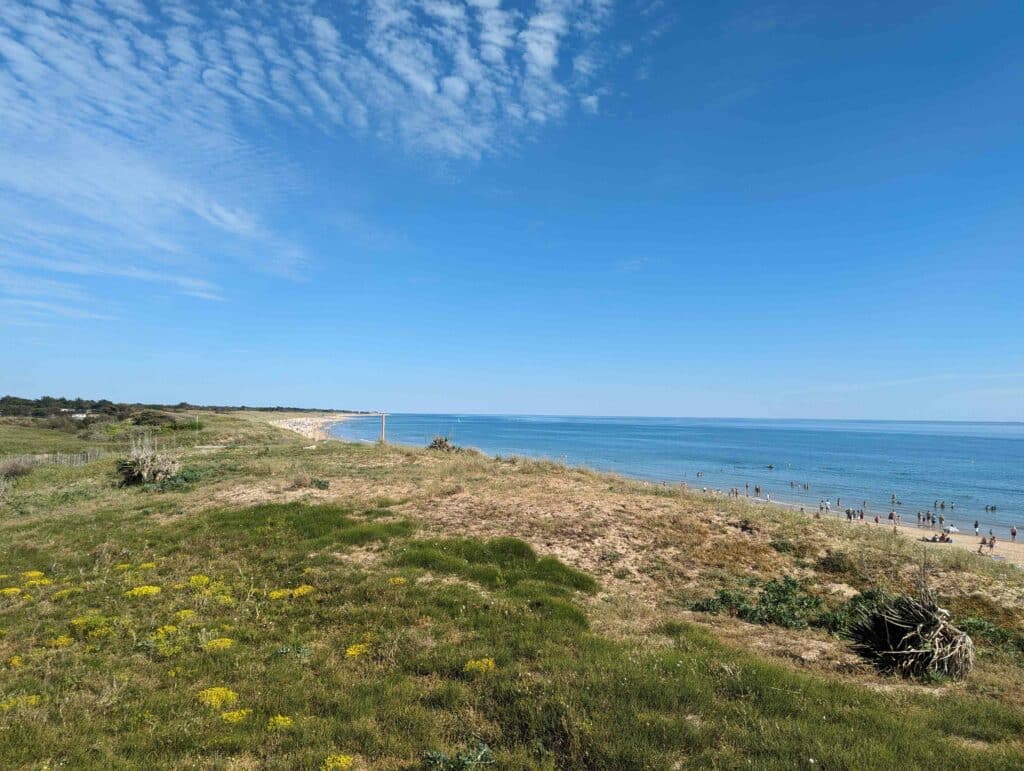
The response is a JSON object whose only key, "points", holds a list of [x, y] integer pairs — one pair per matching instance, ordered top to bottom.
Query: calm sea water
{"points": [[972, 465]]}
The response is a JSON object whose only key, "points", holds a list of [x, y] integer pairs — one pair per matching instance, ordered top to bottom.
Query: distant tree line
{"points": [[49, 406]]}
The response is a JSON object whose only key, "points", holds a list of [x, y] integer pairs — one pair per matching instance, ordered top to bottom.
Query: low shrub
{"points": [[443, 444], [145, 463], [16, 467], [183, 480], [782, 603], [839, 620], [993, 635], [467, 760]]}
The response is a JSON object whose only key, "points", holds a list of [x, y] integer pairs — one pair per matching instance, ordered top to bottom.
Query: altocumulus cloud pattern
{"points": [[129, 127]]}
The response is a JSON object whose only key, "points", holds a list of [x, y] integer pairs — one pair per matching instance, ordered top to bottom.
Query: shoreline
{"points": [[316, 428], [1012, 553]]}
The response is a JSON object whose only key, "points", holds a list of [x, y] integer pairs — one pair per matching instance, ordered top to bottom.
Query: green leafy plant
{"points": [[475, 757]]}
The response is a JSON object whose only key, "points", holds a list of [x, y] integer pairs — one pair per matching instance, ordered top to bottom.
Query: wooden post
{"points": [[383, 424]]}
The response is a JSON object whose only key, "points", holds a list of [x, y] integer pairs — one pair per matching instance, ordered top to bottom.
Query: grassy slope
{"points": [[408, 558]]}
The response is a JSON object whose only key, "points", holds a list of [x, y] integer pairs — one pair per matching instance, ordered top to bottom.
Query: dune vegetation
{"points": [[277, 604]]}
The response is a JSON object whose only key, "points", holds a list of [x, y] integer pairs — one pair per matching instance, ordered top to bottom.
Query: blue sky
{"points": [[555, 206]]}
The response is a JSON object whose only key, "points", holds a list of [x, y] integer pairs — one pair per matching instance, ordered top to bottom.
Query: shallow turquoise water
{"points": [[969, 464]]}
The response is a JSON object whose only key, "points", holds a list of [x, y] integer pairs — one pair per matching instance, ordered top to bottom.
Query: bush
{"points": [[153, 418], [441, 443], [145, 463], [17, 467], [303, 479], [183, 480], [781, 602], [840, 620], [477, 757]]}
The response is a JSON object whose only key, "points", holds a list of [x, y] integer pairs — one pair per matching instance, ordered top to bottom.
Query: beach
{"points": [[314, 427], [1005, 550]]}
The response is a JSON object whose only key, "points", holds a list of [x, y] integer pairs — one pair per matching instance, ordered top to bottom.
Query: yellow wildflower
{"points": [[147, 565], [122, 566], [4, 575], [30, 575], [199, 581], [397, 581], [39, 582], [10, 591], [143, 591], [302, 591], [63, 594], [279, 594], [225, 599], [184, 615], [91, 625], [165, 631], [63, 641], [218, 644], [359, 649], [15, 662], [479, 666], [217, 697], [21, 701], [235, 716], [280, 722], [337, 762]]}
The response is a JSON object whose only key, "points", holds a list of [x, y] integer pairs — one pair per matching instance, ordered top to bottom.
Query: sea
{"points": [[976, 469]]}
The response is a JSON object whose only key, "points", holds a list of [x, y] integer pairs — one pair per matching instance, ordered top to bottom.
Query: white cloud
{"points": [[129, 139]]}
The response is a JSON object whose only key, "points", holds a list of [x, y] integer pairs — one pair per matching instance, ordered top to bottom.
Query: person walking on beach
{"points": [[919, 519], [976, 527], [1013, 534], [991, 544], [982, 545]]}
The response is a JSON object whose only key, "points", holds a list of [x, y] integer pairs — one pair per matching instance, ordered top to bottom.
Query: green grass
{"points": [[412, 606], [559, 696]]}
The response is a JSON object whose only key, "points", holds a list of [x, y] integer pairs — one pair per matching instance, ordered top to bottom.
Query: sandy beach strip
{"points": [[315, 427], [1005, 550]]}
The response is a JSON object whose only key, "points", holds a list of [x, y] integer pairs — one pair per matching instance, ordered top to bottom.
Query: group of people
{"points": [[935, 517], [928, 519]]}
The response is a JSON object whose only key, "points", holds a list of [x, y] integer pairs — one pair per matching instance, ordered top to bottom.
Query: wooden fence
{"points": [[54, 458]]}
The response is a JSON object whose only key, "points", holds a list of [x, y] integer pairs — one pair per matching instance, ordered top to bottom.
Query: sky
{"points": [[607, 207]]}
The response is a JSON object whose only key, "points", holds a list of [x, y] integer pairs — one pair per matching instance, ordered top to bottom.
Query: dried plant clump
{"points": [[145, 463], [16, 467], [913, 638]]}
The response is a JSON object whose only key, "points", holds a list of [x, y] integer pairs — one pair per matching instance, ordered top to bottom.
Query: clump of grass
{"points": [[501, 562]]}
